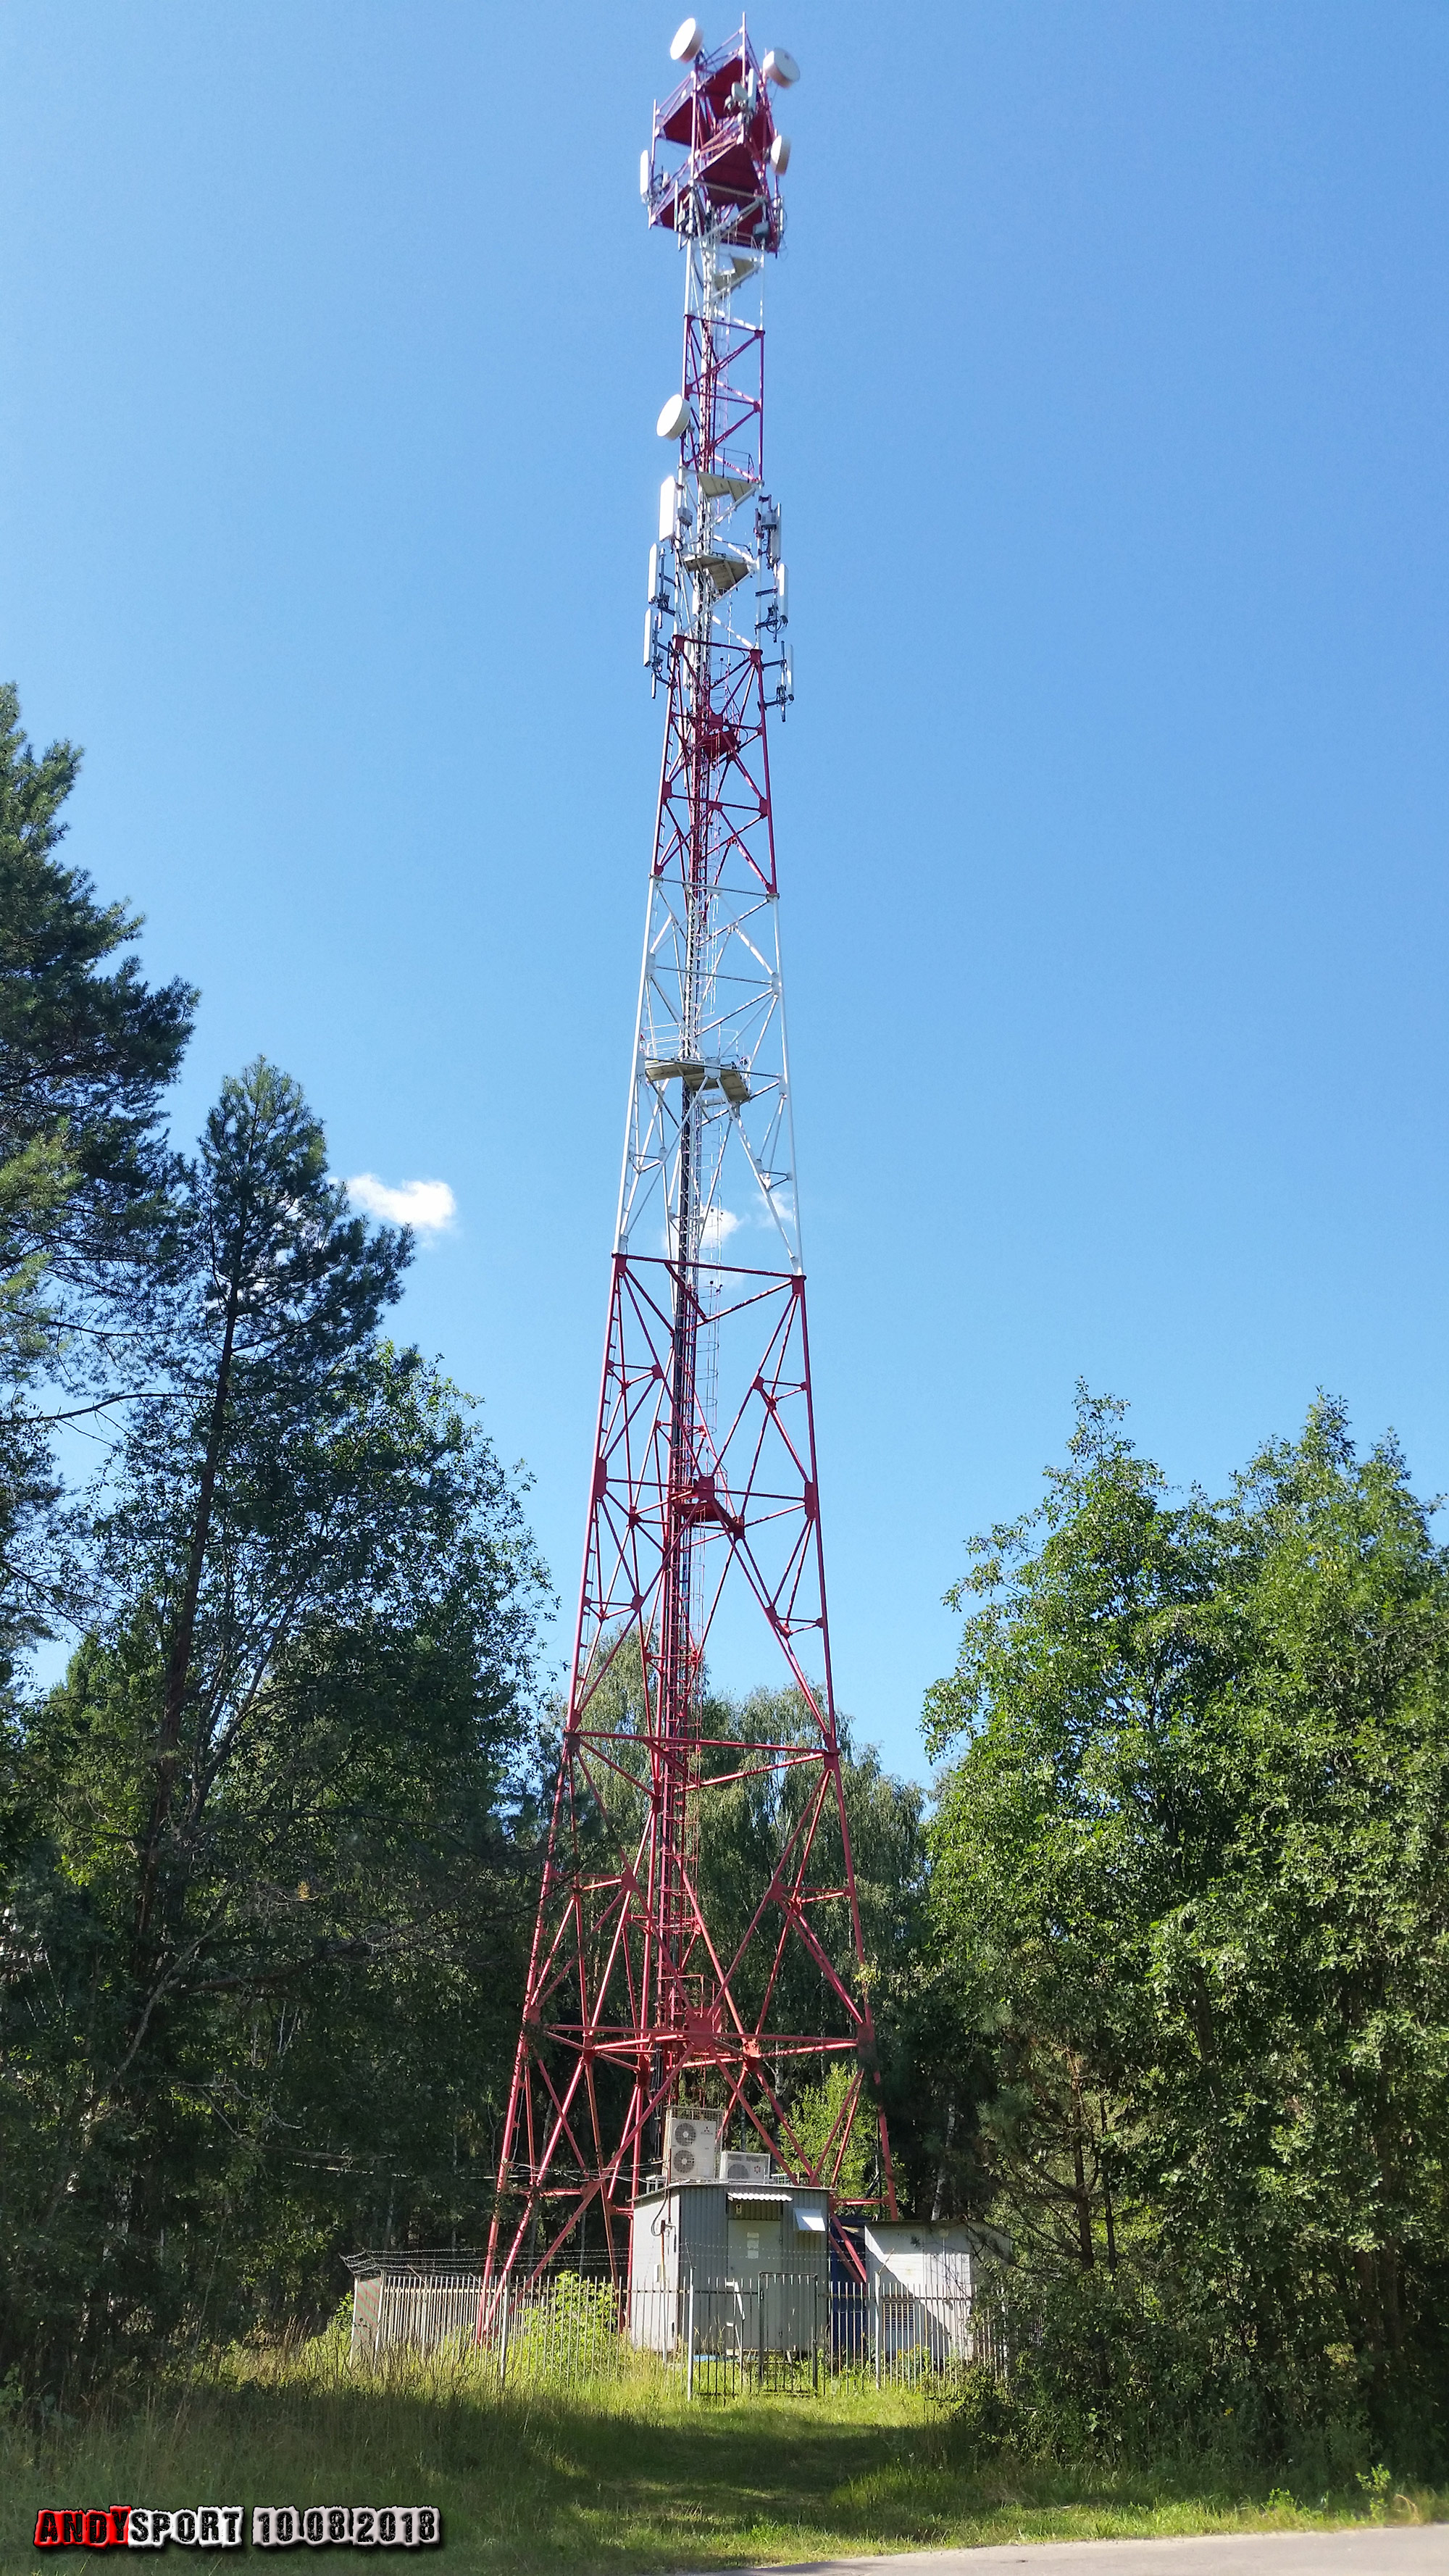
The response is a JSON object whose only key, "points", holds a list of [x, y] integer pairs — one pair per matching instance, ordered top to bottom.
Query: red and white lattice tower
{"points": [[704, 1496]]}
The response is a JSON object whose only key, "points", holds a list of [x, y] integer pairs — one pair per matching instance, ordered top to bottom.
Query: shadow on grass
{"points": [[623, 2476]]}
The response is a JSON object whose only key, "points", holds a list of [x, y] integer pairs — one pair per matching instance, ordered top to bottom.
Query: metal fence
{"points": [[413, 2312], [562, 2326], [787, 2330], [776, 2331]]}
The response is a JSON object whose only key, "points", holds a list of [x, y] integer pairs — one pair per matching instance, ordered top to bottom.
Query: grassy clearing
{"points": [[625, 2477]]}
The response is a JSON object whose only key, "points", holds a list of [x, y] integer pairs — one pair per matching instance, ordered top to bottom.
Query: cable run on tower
{"points": [[651, 1997]]}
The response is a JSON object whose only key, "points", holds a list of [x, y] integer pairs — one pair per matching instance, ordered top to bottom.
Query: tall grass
{"points": [[624, 2474]]}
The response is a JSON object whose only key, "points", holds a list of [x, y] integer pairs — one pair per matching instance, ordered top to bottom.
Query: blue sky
{"points": [[1108, 379]]}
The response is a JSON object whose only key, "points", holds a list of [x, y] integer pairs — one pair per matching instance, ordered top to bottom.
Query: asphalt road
{"points": [[1413, 2549]]}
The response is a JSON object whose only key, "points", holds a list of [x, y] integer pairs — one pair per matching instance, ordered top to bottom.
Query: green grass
{"points": [[625, 2477]]}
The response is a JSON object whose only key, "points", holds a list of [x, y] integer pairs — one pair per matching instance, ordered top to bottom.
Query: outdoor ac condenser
{"points": [[691, 2147], [749, 2171]]}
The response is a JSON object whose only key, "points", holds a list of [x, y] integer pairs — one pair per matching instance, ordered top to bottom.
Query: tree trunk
{"points": [[178, 1669], [1082, 2196], [938, 2205], [1389, 2297]]}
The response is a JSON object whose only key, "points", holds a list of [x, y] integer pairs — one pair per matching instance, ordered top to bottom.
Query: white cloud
{"points": [[428, 1205], [717, 1228], [714, 1233]]}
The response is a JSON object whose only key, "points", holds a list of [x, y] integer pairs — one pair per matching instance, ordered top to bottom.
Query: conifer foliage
{"points": [[87, 1050], [265, 1849]]}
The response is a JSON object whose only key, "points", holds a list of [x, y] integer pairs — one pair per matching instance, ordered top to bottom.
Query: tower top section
{"points": [[721, 120]]}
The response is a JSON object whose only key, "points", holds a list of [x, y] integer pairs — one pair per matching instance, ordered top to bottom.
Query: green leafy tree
{"points": [[747, 1821], [746, 1825], [1191, 1868], [817, 2116]]}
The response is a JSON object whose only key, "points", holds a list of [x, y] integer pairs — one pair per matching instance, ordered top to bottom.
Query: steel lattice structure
{"points": [[704, 1484]]}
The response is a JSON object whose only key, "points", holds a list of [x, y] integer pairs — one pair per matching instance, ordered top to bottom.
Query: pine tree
{"points": [[85, 1176], [271, 1796]]}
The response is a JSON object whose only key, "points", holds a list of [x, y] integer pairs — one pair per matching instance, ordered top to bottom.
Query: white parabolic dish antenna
{"points": [[687, 41], [778, 66], [673, 421]]}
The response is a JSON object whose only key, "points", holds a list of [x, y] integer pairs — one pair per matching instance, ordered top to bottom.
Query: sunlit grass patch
{"points": [[623, 2475]]}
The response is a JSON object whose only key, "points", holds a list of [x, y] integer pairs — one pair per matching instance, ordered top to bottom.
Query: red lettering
{"points": [[119, 2518], [96, 2529], [47, 2530], [70, 2530]]}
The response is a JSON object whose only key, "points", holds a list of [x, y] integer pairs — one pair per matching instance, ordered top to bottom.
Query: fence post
{"points": [[875, 2323], [503, 2336], [815, 2347], [689, 2357]]}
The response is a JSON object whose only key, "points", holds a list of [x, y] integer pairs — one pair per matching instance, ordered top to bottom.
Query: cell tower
{"points": [[704, 1510]]}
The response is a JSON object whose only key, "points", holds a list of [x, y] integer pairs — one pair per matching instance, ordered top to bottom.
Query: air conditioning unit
{"points": [[691, 2147], [745, 2170]]}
